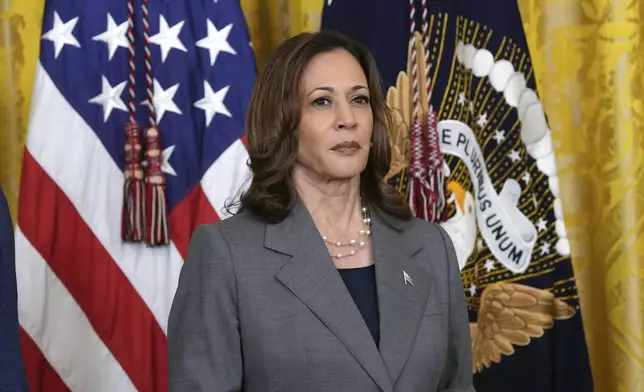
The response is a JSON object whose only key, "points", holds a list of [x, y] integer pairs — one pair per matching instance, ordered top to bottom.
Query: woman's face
{"points": [[335, 127]]}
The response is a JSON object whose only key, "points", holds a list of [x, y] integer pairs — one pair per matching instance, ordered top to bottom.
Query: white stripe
{"points": [[73, 156], [226, 177], [54, 321]]}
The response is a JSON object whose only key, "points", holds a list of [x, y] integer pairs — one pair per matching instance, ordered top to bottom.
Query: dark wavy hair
{"points": [[274, 115]]}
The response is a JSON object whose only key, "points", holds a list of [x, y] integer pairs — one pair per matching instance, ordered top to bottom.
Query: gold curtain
{"points": [[271, 22], [19, 46], [588, 56]]}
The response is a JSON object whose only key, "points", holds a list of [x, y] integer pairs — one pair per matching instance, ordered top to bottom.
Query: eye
{"points": [[361, 100], [321, 101]]}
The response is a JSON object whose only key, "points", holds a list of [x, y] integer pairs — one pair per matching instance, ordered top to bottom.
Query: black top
{"points": [[361, 283]]}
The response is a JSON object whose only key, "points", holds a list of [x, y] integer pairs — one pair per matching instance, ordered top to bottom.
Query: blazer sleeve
{"points": [[204, 348], [457, 375]]}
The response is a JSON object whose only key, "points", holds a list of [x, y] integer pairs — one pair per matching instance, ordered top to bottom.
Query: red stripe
{"points": [[244, 141], [192, 211], [113, 307], [40, 375]]}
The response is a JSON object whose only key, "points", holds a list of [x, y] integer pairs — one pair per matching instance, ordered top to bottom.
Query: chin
{"points": [[346, 170]]}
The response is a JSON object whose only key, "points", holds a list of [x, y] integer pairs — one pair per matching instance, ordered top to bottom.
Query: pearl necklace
{"points": [[355, 244]]}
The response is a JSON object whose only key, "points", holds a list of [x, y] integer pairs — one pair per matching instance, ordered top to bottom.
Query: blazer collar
{"points": [[293, 232], [311, 275], [403, 288]]}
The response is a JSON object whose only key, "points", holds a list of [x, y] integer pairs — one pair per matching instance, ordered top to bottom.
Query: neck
{"points": [[334, 204]]}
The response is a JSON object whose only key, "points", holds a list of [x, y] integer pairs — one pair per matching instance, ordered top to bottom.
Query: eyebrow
{"points": [[331, 89]]}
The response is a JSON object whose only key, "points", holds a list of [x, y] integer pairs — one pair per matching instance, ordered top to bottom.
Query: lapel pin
{"points": [[407, 278]]}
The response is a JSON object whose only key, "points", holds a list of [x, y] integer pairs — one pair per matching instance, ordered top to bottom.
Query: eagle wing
{"points": [[400, 101], [512, 314]]}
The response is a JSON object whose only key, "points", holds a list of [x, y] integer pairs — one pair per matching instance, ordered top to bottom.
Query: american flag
{"points": [[93, 309]]}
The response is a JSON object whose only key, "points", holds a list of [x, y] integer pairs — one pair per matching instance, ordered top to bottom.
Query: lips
{"points": [[346, 145]]}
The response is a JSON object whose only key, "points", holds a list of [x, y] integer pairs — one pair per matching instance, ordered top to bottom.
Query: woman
{"points": [[323, 281]]}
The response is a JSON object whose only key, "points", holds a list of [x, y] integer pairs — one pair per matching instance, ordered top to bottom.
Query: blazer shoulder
{"points": [[238, 230], [432, 234], [434, 238]]}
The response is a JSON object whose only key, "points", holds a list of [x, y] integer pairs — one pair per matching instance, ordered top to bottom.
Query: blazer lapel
{"points": [[311, 275], [403, 289]]}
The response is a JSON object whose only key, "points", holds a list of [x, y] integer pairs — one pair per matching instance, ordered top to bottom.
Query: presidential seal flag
{"points": [[466, 63], [135, 138]]}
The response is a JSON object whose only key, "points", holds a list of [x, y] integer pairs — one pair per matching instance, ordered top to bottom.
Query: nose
{"points": [[346, 118]]}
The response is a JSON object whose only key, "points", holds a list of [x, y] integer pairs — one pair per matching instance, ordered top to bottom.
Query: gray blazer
{"points": [[262, 307]]}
